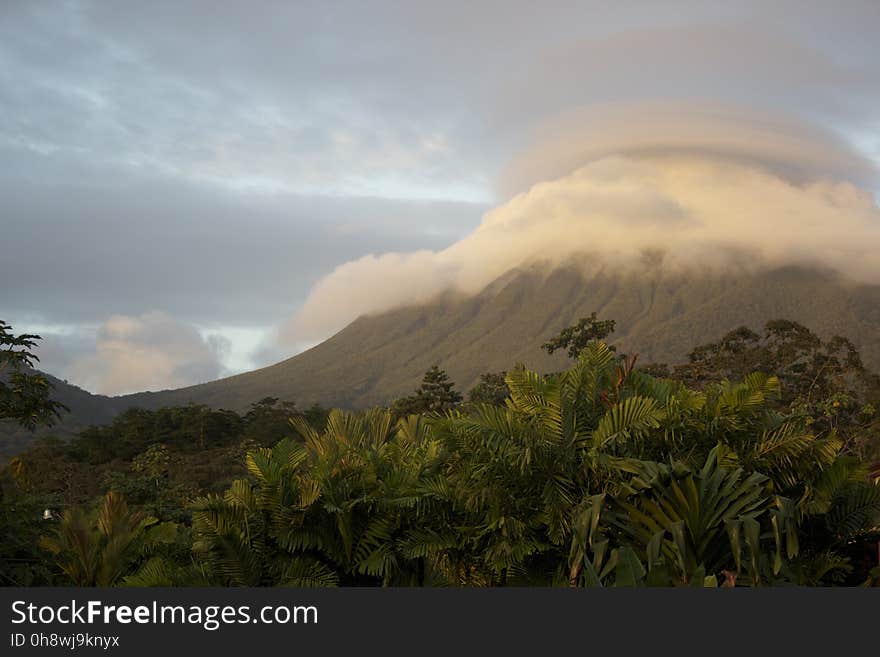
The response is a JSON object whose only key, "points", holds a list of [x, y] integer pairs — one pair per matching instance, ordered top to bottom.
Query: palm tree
{"points": [[597, 475], [341, 507], [103, 548]]}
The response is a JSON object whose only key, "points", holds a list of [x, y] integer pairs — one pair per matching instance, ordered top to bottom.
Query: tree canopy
{"points": [[576, 338], [435, 394], [25, 395]]}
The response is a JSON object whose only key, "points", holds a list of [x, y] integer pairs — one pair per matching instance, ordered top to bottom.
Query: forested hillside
{"points": [[659, 315], [81, 409], [755, 462]]}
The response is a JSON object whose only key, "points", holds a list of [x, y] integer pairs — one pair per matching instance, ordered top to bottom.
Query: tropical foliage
{"points": [[600, 475], [102, 548]]}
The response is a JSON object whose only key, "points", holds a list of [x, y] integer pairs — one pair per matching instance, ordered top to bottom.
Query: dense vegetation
{"points": [[752, 464]]}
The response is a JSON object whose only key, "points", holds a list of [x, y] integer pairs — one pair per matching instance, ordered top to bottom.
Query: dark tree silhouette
{"points": [[576, 338], [24, 394], [436, 394]]}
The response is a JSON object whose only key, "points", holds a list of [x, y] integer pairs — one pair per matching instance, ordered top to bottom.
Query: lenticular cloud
{"points": [[706, 189]]}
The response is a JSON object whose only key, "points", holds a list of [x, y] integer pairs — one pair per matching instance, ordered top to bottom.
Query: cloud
{"points": [[183, 95], [779, 142], [706, 190], [81, 252], [148, 352]]}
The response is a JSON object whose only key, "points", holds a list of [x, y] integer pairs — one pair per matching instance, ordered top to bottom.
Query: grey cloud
{"points": [[187, 95], [331, 96], [81, 252], [58, 350], [148, 352]]}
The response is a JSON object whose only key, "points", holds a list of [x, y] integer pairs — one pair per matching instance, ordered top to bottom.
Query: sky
{"points": [[196, 189]]}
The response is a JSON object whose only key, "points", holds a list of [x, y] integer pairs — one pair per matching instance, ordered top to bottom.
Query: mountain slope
{"points": [[660, 316], [376, 359]]}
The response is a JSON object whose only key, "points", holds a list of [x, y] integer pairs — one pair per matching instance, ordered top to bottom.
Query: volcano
{"points": [[661, 316]]}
